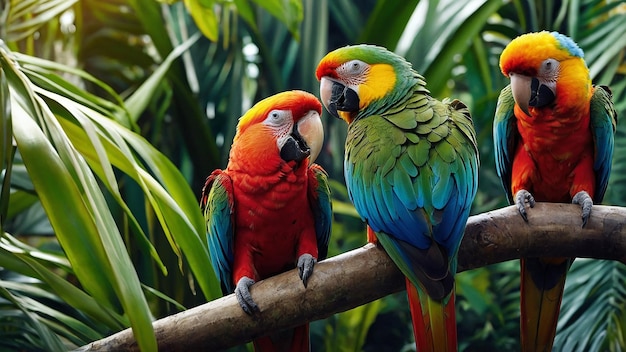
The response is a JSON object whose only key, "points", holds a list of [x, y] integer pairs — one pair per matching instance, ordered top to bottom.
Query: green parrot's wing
{"points": [[603, 123], [505, 137], [412, 173], [320, 202], [217, 203]]}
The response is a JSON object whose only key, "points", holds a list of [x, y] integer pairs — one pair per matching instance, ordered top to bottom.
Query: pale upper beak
{"points": [[520, 87], [326, 92], [311, 130]]}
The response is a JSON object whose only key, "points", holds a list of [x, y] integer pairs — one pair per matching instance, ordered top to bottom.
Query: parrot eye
{"points": [[355, 67], [549, 68], [277, 117]]}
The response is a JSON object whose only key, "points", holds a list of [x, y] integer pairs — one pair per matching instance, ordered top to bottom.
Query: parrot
{"points": [[553, 141], [411, 170], [270, 210]]}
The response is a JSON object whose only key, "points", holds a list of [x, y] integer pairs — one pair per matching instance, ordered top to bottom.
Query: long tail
{"points": [[542, 282], [434, 324], [289, 340]]}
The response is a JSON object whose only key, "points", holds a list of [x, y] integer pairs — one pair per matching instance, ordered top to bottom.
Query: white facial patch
{"points": [[281, 123]]}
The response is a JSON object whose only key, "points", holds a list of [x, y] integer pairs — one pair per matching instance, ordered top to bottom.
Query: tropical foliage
{"points": [[113, 112]]}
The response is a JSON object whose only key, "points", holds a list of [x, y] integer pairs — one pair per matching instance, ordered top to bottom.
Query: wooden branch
{"points": [[366, 274]]}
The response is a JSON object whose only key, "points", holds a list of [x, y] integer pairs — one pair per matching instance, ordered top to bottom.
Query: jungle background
{"points": [[114, 112]]}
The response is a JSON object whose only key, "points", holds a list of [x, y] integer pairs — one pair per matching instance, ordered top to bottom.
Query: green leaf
{"points": [[245, 11], [289, 12], [37, 13], [204, 15], [393, 16], [139, 100], [6, 148], [55, 186], [175, 205], [85, 228], [594, 288], [73, 295], [50, 340]]}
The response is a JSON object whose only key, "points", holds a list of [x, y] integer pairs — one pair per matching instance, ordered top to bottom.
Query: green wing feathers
{"points": [[603, 125], [505, 137], [412, 175], [320, 202], [218, 205]]}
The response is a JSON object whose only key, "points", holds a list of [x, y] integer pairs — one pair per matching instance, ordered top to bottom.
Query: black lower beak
{"points": [[540, 94], [342, 99], [295, 148]]}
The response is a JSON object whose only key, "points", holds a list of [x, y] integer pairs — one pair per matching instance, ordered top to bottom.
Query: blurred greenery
{"points": [[113, 113]]}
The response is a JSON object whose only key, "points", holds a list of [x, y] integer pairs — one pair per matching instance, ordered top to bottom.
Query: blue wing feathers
{"points": [[603, 124], [505, 138], [402, 199], [217, 205], [321, 205]]}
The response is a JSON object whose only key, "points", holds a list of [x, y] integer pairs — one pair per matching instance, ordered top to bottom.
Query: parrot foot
{"points": [[521, 197], [583, 199], [306, 262], [242, 292]]}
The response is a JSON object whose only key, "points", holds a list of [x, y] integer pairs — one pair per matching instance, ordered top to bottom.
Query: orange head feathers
{"points": [[525, 53], [545, 68], [297, 101], [282, 128]]}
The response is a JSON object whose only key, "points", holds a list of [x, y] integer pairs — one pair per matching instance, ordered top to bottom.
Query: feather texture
{"points": [[556, 152], [411, 168], [266, 214]]}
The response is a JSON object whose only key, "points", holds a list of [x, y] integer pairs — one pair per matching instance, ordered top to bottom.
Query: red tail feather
{"points": [[434, 325], [290, 340]]}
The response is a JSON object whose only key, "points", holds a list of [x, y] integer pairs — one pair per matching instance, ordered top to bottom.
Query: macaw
{"points": [[553, 136], [411, 169], [269, 211]]}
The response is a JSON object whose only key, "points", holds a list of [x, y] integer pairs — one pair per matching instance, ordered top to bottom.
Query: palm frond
{"points": [[593, 311]]}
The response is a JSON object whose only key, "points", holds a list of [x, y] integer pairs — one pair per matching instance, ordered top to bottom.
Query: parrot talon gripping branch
{"points": [[553, 138], [411, 168], [521, 198], [583, 199], [269, 210], [306, 262], [242, 292]]}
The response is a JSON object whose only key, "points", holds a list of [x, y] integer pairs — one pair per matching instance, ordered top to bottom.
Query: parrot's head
{"points": [[541, 67], [360, 79], [287, 124]]}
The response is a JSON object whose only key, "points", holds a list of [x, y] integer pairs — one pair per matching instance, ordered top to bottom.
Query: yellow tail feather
{"points": [[539, 313], [434, 324]]}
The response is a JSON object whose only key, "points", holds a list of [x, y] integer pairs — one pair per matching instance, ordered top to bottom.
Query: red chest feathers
{"points": [[556, 152], [272, 215]]}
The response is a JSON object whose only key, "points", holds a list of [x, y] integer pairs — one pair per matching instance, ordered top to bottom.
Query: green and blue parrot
{"points": [[411, 168]]}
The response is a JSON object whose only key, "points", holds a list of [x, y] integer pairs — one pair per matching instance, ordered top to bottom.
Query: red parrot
{"points": [[553, 137], [269, 211]]}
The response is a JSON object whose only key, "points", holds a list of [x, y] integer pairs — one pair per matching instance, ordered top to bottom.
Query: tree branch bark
{"points": [[365, 274]]}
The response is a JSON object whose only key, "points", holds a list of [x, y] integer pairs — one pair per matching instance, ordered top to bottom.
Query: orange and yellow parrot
{"points": [[553, 135], [411, 168], [269, 211]]}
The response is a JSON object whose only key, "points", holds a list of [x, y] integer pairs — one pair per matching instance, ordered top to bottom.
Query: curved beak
{"points": [[520, 87], [326, 92], [340, 101], [312, 132], [306, 139]]}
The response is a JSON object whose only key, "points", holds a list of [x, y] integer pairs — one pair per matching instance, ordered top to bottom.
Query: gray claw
{"points": [[521, 197], [584, 200], [306, 262], [242, 292]]}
